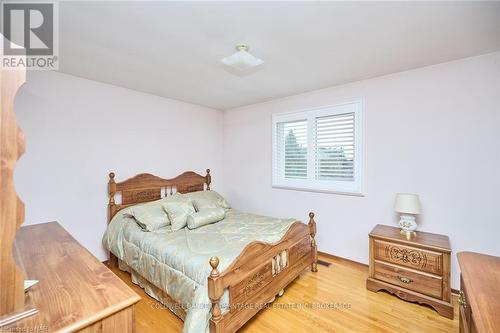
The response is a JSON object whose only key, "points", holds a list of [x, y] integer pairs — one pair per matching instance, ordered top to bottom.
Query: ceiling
{"points": [[173, 49]]}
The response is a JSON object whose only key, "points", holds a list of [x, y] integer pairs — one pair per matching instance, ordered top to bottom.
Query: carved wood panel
{"points": [[184, 188], [137, 196], [300, 250], [425, 260], [249, 286], [247, 307]]}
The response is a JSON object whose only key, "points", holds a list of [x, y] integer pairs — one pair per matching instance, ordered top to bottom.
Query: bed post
{"points": [[208, 179], [111, 193], [314, 247], [113, 260], [215, 291]]}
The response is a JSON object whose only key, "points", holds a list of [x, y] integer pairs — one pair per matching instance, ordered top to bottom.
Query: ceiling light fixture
{"points": [[242, 60]]}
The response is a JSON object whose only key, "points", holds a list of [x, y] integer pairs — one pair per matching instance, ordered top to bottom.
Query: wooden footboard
{"points": [[259, 273]]}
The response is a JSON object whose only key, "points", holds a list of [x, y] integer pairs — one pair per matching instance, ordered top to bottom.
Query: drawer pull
{"points": [[405, 279], [461, 300]]}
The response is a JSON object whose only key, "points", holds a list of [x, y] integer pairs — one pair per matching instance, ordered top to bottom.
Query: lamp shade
{"points": [[407, 203]]}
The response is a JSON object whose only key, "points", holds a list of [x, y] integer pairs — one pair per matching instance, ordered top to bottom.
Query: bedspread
{"points": [[177, 262]]}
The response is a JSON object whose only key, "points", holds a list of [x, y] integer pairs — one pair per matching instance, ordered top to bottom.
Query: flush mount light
{"points": [[242, 60]]}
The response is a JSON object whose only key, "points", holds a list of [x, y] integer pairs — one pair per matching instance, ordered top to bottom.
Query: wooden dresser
{"points": [[416, 269], [76, 292], [479, 293]]}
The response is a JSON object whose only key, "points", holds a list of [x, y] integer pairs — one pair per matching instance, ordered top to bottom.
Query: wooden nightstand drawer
{"points": [[423, 260], [423, 283]]}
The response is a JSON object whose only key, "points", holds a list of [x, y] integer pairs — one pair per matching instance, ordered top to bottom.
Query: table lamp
{"points": [[408, 205]]}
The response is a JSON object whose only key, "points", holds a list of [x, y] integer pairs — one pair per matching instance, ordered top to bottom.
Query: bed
{"points": [[215, 277]]}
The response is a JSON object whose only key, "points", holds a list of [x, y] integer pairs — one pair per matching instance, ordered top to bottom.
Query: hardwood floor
{"points": [[341, 283]]}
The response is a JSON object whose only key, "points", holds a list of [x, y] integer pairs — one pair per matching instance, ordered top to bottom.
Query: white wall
{"points": [[77, 131], [434, 131]]}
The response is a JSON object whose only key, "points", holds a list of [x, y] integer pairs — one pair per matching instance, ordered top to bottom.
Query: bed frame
{"points": [[253, 279]]}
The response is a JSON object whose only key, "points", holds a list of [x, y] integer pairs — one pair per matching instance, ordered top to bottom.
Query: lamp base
{"points": [[408, 223], [408, 234]]}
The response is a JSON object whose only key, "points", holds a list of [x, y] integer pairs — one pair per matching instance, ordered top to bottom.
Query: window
{"points": [[320, 149]]}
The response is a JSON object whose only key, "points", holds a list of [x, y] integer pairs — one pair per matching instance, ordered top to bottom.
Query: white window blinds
{"points": [[334, 147], [292, 149], [319, 149]]}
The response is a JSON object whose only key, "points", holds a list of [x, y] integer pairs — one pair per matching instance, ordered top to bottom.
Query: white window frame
{"points": [[355, 187]]}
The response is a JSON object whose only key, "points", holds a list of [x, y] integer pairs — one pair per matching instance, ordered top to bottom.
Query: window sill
{"points": [[306, 189]]}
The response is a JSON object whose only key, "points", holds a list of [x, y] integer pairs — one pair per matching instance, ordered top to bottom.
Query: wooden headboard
{"points": [[146, 187]]}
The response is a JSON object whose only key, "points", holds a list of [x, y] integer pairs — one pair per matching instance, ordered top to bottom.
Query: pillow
{"points": [[215, 198], [204, 203], [178, 212], [148, 217], [204, 217]]}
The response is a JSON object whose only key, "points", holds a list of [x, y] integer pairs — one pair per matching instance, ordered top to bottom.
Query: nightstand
{"points": [[416, 268]]}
